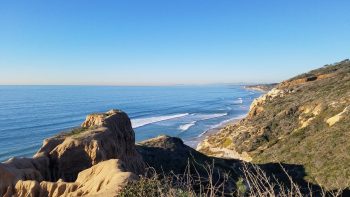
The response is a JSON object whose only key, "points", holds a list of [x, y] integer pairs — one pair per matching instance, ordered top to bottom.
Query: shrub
{"points": [[254, 183]]}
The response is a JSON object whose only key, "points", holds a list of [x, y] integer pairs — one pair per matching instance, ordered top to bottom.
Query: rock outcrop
{"points": [[304, 120], [101, 137], [169, 155], [95, 159], [106, 178]]}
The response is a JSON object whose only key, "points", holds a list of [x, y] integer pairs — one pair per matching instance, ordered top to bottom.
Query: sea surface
{"points": [[29, 114]]}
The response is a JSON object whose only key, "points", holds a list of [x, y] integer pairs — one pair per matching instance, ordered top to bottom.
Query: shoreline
{"points": [[264, 88], [255, 89], [193, 143]]}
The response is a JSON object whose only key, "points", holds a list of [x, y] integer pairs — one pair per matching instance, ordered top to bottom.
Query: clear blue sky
{"points": [[149, 42]]}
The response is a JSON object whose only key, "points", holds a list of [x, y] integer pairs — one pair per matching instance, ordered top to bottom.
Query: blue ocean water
{"points": [[29, 114]]}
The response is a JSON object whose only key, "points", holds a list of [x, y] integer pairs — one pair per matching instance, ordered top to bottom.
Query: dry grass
{"points": [[253, 183], [188, 184], [260, 185]]}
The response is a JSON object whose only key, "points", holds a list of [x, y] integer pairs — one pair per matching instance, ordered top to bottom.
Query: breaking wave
{"points": [[210, 116], [146, 121], [223, 123], [187, 126]]}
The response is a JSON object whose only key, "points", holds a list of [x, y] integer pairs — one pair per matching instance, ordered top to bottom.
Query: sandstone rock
{"points": [[257, 105], [331, 121], [103, 136], [78, 163], [103, 179]]}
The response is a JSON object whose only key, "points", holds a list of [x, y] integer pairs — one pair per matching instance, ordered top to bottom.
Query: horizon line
{"points": [[144, 85]]}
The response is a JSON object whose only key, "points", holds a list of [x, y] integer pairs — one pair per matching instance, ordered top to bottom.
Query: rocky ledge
{"points": [[95, 159]]}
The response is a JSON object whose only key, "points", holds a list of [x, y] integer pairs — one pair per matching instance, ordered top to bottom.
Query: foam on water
{"points": [[238, 101], [210, 116], [199, 117], [145, 121], [222, 124], [185, 127]]}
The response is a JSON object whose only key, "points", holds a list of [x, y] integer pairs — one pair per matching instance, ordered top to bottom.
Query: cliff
{"points": [[261, 87], [303, 120], [170, 154], [96, 159]]}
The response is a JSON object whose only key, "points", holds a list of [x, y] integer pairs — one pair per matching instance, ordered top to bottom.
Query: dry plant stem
{"points": [[192, 184]]}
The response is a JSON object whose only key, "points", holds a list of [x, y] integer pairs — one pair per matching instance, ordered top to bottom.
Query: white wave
{"points": [[238, 101], [210, 116], [229, 120], [145, 121], [223, 123], [187, 126], [204, 132]]}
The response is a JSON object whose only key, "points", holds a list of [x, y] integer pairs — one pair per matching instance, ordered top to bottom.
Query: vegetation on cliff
{"points": [[303, 121], [176, 169]]}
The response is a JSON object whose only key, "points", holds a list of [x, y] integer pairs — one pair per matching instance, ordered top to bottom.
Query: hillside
{"points": [[261, 87], [303, 121]]}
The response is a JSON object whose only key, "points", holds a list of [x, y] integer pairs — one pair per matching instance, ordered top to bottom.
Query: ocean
{"points": [[29, 114]]}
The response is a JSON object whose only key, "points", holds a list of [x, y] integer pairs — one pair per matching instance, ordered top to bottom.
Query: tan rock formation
{"points": [[331, 121], [102, 137], [72, 164], [104, 179]]}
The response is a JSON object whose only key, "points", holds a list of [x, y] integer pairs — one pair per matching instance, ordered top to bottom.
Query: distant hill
{"points": [[261, 87], [304, 120]]}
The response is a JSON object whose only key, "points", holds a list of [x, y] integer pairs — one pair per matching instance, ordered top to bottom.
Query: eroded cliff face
{"points": [[304, 120], [101, 137], [96, 159], [106, 178]]}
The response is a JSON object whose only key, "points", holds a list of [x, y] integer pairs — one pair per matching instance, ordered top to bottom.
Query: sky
{"points": [[168, 42]]}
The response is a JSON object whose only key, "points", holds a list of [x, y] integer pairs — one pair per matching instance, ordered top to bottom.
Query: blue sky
{"points": [[168, 41]]}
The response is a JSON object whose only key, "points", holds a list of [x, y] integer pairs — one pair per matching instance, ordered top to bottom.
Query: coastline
{"points": [[261, 87], [255, 89], [193, 143]]}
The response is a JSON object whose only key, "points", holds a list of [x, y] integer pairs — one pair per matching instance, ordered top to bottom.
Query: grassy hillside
{"points": [[304, 120], [176, 169]]}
